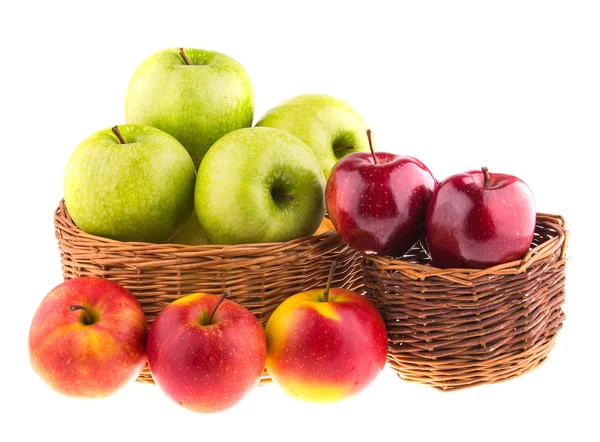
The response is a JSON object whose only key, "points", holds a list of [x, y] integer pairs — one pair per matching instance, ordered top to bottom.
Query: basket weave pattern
{"points": [[258, 276], [457, 328]]}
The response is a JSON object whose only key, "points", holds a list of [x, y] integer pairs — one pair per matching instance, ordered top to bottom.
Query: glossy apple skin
{"points": [[379, 208], [469, 225], [325, 351], [82, 360], [206, 368]]}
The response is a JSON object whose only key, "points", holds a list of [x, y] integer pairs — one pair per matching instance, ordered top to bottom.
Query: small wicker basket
{"points": [[259, 276], [457, 328]]}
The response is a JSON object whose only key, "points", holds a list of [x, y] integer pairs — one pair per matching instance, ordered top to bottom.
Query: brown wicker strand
{"points": [[457, 328]]}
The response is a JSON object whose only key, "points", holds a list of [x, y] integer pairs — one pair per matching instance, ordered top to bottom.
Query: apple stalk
{"points": [[184, 56], [117, 132], [371, 146], [486, 176], [278, 196], [334, 265], [219, 301], [87, 317]]}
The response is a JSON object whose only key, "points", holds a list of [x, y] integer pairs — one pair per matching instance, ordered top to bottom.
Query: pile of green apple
{"points": [[187, 167]]}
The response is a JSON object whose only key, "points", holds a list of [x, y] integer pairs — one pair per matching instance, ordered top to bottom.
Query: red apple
{"points": [[377, 202], [478, 219], [88, 337], [325, 344], [206, 353]]}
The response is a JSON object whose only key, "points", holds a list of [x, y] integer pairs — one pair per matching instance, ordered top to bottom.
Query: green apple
{"points": [[195, 95], [328, 125], [130, 183], [259, 185], [191, 234]]}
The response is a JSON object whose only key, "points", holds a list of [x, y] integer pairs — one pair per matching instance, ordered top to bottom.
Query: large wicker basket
{"points": [[259, 276], [457, 328]]}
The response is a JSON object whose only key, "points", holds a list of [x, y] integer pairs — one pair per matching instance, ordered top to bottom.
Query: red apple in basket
{"points": [[377, 202], [479, 219], [88, 337], [325, 344], [206, 352]]}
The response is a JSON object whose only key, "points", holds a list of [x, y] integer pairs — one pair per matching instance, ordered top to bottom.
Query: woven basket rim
{"points": [[62, 216], [465, 276]]}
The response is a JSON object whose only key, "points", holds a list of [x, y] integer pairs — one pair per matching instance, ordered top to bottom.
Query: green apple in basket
{"points": [[195, 95], [328, 125], [130, 183], [259, 184], [191, 234]]}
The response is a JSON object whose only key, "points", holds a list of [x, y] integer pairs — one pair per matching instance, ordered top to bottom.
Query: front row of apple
{"points": [[89, 337]]}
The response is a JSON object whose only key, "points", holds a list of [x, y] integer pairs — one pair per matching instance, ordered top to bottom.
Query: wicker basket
{"points": [[259, 276], [457, 328]]}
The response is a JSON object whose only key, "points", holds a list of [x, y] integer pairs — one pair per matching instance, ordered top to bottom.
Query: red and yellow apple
{"points": [[88, 337], [324, 346], [206, 353]]}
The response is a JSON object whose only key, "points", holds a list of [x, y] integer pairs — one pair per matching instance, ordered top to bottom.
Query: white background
{"points": [[514, 85]]}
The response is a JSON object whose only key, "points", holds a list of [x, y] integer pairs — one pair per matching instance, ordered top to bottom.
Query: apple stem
{"points": [[184, 56], [117, 132], [371, 146], [486, 176], [277, 196], [334, 266], [219, 301], [87, 318]]}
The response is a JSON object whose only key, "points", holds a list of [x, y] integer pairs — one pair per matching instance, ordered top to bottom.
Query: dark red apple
{"points": [[377, 202], [479, 219]]}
